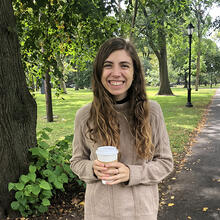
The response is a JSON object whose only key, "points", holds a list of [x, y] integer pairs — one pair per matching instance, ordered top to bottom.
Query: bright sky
{"points": [[215, 12]]}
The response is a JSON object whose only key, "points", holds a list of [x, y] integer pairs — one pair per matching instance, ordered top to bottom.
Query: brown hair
{"points": [[105, 127]]}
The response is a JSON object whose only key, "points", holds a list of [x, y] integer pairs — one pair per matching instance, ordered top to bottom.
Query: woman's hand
{"points": [[99, 169], [115, 172]]}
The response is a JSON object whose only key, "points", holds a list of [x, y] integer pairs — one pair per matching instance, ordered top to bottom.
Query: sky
{"points": [[215, 12]]}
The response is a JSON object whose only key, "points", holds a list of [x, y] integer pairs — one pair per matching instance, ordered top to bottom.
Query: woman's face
{"points": [[117, 73]]}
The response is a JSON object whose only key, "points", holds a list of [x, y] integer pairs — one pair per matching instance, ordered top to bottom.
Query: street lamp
{"points": [[190, 31], [211, 76]]}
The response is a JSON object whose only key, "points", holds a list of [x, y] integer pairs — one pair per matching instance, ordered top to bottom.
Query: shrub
{"points": [[48, 171]]}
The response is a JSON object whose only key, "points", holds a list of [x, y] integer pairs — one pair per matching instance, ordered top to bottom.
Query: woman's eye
{"points": [[107, 66], [124, 66]]}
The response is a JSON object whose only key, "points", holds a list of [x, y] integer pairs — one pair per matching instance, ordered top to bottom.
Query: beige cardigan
{"points": [[139, 199]]}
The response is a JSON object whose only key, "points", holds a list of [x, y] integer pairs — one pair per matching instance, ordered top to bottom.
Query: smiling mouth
{"points": [[116, 83]]}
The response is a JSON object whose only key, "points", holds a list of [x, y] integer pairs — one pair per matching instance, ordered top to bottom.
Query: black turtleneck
{"points": [[123, 100]]}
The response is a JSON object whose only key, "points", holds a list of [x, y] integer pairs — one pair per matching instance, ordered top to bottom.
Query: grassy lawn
{"points": [[180, 120]]}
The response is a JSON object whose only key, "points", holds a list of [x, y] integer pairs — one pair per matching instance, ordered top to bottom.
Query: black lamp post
{"points": [[190, 31], [211, 76]]}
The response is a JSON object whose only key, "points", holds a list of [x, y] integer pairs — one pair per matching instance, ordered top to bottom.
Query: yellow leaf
{"points": [[218, 180], [172, 197], [82, 203], [171, 204], [205, 209], [189, 217]]}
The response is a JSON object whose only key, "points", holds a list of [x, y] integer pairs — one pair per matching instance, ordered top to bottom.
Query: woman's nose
{"points": [[116, 71]]}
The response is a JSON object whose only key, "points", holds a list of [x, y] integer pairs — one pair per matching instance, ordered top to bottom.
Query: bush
{"points": [[48, 171]]}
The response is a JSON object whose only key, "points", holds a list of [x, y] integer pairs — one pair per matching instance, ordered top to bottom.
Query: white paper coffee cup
{"points": [[107, 154]]}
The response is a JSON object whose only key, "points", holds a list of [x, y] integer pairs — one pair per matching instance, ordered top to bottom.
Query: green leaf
{"points": [[48, 129], [45, 136], [43, 144], [37, 151], [32, 169], [58, 170], [47, 172], [32, 177], [52, 177], [24, 178], [63, 178], [58, 184], [45, 185], [10, 186], [19, 186], [28, 190], [36, 190], [47, 194], [19, 195], [33, 200], [45, 202], [15, 205], [42, 208]]}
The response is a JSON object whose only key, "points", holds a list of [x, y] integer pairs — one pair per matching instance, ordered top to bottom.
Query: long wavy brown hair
{"points": [[105, 126]]}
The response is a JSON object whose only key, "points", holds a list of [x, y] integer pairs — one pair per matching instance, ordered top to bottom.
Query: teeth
{"points": [[116, 83]]}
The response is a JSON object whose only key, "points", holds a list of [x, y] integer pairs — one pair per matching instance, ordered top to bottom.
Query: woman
{"points": [[122, 116]]}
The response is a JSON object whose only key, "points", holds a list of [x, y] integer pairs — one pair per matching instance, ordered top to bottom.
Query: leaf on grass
{"points": [[171, 204], [205, 209], [189, 217]]}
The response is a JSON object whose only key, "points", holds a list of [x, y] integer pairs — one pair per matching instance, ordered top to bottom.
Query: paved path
{"points": [[196, 189]]}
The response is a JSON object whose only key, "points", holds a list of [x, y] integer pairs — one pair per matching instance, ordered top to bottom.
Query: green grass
{"points": [[179, 119]]}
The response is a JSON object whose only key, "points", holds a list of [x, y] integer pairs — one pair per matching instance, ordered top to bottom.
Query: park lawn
{"points": [[180, 120]]}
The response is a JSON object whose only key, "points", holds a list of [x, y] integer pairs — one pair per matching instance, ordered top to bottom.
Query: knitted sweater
{"points": [[137, 200]]}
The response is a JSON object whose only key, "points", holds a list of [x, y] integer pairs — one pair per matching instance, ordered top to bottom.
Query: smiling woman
{"points": [[120, 115]]}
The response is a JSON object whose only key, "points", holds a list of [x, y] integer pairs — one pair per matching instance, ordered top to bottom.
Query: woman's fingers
{"points": [[99, 169], [114, 172], [120, 173]]}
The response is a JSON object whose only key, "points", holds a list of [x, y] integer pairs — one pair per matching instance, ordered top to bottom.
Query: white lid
{"points": [[107, 150]]}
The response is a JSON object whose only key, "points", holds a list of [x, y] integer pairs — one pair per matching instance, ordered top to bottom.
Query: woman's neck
{"points": [[122, 100]]}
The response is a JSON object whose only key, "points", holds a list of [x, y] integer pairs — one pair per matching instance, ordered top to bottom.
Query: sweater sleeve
{"points": [[80, 162], [161, 165]]}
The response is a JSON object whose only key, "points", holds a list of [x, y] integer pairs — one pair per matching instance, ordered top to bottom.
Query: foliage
{"points": [[68, 28], [49, 170]]}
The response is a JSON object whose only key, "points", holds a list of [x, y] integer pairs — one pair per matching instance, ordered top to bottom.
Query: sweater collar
{"points": [[123, 107]]}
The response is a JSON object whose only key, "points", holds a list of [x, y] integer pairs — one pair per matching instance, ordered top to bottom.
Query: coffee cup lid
{"points": [[107, 150]]}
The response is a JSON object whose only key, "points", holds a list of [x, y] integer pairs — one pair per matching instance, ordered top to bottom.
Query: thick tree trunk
{"points": [[162, 58], [49, 107], [18, 112]]}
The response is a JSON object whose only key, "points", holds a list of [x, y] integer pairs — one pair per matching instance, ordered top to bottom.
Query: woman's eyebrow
{"points": [[108, 61], [122, 62], [125, 62]]}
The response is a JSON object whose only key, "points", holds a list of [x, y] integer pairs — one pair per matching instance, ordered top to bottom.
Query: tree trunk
{"points": [[133, 19], [198, 47], [61, 68], [163, 69], [185, 79], [49, 107], [18, 110]]}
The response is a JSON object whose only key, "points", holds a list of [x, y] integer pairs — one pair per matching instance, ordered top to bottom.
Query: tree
{"points": [[158, 20], [203, 22], [49, 29], [17, 109]]}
